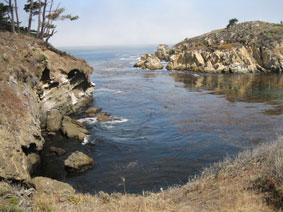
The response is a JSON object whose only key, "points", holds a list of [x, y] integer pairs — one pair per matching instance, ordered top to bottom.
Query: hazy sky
{"points": [[123, 22]]}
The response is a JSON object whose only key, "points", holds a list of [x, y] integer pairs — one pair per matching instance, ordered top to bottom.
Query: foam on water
{"points": [[109, 90], [88, 120], [110, 124], [86, 140]]}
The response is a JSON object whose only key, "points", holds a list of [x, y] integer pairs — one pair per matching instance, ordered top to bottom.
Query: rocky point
{"points": [[244, 48]]}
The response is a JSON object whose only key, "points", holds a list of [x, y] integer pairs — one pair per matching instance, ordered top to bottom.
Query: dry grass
{"points": [[250, 182]]}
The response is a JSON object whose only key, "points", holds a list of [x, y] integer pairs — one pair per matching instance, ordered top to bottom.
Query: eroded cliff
{"points": [[35, 79]]}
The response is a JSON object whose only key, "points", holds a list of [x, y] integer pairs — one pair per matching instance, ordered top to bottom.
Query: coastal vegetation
{"points": [[252, 181]]}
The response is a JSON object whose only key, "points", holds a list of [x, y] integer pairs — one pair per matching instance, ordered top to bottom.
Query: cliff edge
{"points": [[247, 47], [35, 79]]}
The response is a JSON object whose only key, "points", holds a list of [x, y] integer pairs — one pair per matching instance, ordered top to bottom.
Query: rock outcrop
{"points": [[247, 47], [163, 52], [149, 61], [37, 83], [91, 112], [73, 128], [78, 162], [48, 186]]}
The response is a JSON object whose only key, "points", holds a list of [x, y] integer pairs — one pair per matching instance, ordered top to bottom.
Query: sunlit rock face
{"points": [[245, 48], [149, 61], [35, 79]]}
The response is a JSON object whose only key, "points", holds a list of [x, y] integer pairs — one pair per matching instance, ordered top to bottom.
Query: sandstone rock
{"points": [[247, 47], [162, 52], [149, 61], [93, 110], [104, 117], [54, 120], [73, 128], [57, 150], [33, 160], [78, 162], [50, 186]]}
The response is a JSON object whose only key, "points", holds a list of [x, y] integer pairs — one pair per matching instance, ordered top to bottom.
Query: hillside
{"points": [[246, 47]]}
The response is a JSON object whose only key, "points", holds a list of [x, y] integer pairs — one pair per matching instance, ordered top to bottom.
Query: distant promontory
{"points": [[247, 47]]}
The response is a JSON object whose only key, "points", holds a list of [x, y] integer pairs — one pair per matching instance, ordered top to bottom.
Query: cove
{"points": [[173, 123]]}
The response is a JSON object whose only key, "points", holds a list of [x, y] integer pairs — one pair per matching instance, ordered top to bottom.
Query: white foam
{"points": [[109, 90], [88, 120], [110, 124], [86, 140], [132, 164]]}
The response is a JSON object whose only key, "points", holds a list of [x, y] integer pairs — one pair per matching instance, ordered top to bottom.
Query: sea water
{"points": [[172, 123]]}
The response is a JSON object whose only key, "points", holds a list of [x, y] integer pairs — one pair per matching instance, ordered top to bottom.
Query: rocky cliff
{"points": [[247, 47], [35, 79]]}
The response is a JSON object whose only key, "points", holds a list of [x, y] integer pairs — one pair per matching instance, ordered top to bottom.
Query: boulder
{"points": [[162, 52], [149, 61], [93, 110], [104, 117], [54, 120], [73, 128], [57, 151], [33, 160], [78, 162], [50, 186]]}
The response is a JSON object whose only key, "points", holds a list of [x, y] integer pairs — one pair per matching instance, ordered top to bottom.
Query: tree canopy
{"points": [[43, 10], [232, 22]]}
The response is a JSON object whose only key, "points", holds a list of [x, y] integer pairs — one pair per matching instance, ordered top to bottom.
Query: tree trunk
{"points": [[17, 15], [12, 16], [30, 16], [39, 19], [43, 19], [47, 30]]}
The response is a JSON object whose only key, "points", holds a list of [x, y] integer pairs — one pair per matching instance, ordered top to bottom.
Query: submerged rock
{"points": [[149, 61], [105, 117], [73, 128], [57, 150], [78, 162], [50, 186]]}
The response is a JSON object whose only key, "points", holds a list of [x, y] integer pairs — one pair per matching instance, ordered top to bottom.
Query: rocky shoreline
{"points": [[244, 48], [40, 87]]}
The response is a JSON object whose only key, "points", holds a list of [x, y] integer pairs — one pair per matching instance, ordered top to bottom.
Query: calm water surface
{"points": [[173, 123]]}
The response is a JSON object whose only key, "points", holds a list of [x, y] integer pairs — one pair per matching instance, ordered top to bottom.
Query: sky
{"points": [[145, 22]]}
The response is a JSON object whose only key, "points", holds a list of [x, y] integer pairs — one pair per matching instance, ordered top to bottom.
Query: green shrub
{"points": [[280, 25], [171, 51], [5, 57], [43, 57]]}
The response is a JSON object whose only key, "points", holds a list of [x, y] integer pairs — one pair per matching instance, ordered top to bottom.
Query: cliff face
{"points": [[247, 47], [34, 79]]}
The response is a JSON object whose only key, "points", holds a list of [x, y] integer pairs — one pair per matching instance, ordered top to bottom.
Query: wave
{"points": [[109, 90], [88, 120], [110, 124], [86, 140]]}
